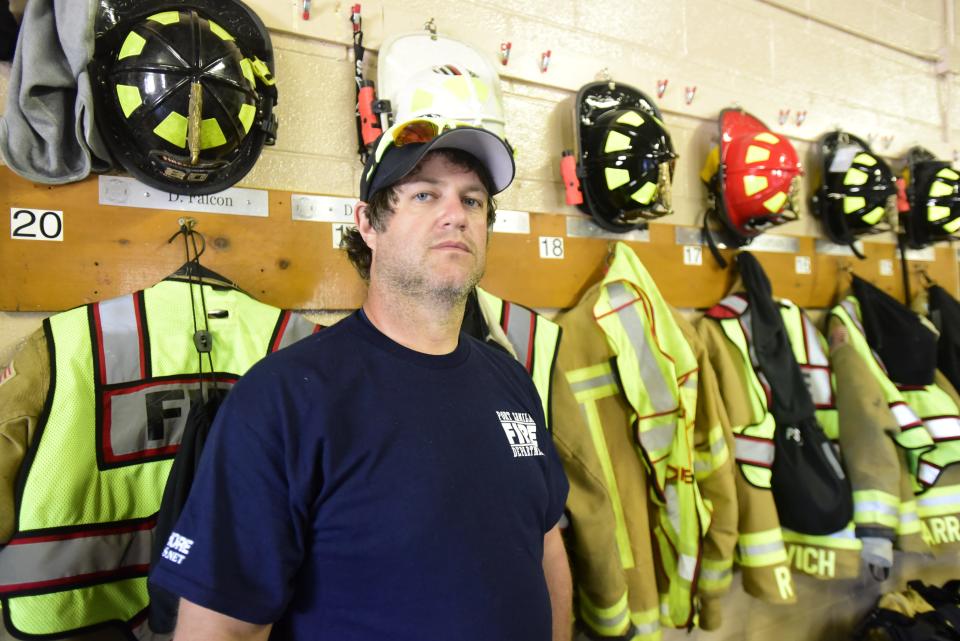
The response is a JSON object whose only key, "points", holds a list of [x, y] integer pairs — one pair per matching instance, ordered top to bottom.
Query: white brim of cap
{"points": [[486, 147]]}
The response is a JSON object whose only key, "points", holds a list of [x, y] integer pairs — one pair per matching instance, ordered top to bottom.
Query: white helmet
{"points": [[424, 74]]}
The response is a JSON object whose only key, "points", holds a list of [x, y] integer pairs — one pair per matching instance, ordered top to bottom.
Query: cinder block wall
{"points": [[883, 70]]}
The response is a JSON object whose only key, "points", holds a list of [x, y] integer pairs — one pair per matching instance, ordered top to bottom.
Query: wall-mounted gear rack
{"points": [[107, 247]]}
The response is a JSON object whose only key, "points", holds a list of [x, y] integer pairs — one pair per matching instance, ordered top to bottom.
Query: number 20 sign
{"points": [[36, 224]]}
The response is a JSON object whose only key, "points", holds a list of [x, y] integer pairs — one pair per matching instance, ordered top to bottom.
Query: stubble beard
{"points": [[416, 284]]}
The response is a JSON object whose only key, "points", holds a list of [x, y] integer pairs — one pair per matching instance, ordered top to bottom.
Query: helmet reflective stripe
{"points": [[166, 17], [219, 31], [132, 45], [247, 69], [467, 88], [129, 97], [246, 116], [631, 118], [173, 129], [211, 135], [767, 137], [616, 141], [756, 154], [865, 159], [948, 173], [855, 176], [616, 177], [753, 184], [939, 188], [645, 194], [775, 202], [852, 203], [937, 212], [873, 217], [952, 226], [121, 357], [68, 559]]}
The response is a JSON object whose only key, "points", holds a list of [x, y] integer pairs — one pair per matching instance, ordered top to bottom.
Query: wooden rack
{"points": [[110, 250]]}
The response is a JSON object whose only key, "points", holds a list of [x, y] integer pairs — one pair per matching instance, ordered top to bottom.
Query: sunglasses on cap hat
{"points": [[408, 142]]}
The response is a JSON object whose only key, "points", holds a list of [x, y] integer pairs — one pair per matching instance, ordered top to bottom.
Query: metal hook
{"points": [[431, 26], [505, 48], [544, 61], [662, 87], [690, 93], [784, 115], [801, 117], [887, 141]]}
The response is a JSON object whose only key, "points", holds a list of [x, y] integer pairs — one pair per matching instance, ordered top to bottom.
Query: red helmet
{"points": [[754, 176]]}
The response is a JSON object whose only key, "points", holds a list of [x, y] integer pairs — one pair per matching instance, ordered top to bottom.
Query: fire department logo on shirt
{"points": [[521, 431]]}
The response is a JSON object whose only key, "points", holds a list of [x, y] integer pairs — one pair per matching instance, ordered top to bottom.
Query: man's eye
{"points": [[421, 196], [472, 202]]}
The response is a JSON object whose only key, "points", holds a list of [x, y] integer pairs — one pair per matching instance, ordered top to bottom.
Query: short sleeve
{"points": [[557, 483], [240, 538]]}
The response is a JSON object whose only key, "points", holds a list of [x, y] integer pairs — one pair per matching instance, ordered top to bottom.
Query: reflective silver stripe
{"points": [[735, 303], [852, 313], [519, 324], [298, 327], [121, 340], [815, 353], [653, 381], [591, 383], [818, 384], [904, 414], [150, 417], [945, 427], [658, 438], [753, 450], [927, 474], [924, 500], [876, 507], [908, 517], [761, 548], [32, 564], [686, 566], [710, 574], [612, 622], [647, 628]]}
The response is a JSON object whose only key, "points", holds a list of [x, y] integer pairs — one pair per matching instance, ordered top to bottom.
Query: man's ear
{"points": [[362, 221]]}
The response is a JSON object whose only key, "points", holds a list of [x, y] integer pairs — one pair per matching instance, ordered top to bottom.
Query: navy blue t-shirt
{"points": [[353, 489]]}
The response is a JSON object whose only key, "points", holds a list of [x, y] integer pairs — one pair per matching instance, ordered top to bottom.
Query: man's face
{"points": [[435, 242]]}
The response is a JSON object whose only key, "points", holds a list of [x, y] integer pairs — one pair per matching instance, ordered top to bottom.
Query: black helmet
{"points": [[187, 91], [626, 156], [933, 189], [857, 193]]}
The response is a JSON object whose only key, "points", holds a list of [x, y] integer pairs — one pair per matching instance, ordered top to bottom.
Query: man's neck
{"points": [[420, 324]]}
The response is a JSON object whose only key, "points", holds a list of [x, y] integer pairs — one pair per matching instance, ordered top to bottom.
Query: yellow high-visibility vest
{"points": [[124, 376]]}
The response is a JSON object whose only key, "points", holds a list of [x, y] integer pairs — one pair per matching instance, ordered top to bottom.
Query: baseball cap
{"points": [[401, 147]]}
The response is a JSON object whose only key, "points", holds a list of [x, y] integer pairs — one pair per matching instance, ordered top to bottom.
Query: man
{"points": [[391, 478]]}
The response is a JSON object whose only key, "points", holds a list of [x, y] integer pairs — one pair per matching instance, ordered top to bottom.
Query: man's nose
{"points": [[454, 212]]}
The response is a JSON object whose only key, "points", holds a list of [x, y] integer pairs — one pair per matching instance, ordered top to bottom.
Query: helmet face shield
{"points": [[185, 101], [626, 156]]}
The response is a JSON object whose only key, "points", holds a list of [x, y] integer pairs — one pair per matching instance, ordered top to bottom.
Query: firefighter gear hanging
{"points": [[123, 381], [659, 447]]}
